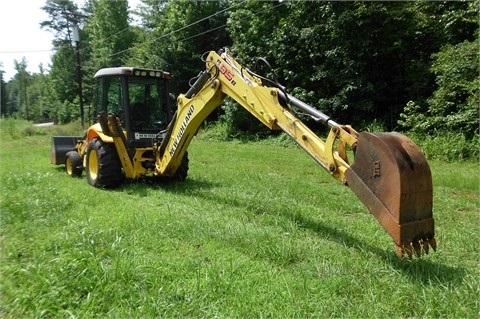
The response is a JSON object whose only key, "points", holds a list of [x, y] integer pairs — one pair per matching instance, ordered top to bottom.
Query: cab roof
{"points": [[131, 71]]}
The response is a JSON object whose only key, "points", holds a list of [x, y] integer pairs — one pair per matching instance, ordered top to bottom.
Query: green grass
{"points": [[257, 230]]}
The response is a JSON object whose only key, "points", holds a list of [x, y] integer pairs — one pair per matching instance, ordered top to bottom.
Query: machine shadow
{"points": [[190, 187], [418, 269]]}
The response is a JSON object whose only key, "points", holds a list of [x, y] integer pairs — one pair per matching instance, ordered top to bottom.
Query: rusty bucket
{"points": [[391, 176]]}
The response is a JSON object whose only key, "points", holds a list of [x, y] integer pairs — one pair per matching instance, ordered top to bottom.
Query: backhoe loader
{"points": [[138, 134]]}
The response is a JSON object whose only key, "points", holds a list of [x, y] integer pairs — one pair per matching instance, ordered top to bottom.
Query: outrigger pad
{"points": [[392, 178]]}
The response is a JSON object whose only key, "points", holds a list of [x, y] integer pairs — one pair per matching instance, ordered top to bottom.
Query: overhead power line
{"points": [[187, 26], [183, 28], [154, 39], [25, 51]]}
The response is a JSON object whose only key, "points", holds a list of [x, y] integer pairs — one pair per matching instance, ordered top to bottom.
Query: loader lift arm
{"points": [[389, 174]]}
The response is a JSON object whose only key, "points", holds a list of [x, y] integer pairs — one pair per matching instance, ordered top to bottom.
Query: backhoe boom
{"points": [[222, 78], [382, 176]]}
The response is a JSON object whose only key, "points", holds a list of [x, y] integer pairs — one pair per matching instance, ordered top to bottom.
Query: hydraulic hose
{"points": [[314, 113]]}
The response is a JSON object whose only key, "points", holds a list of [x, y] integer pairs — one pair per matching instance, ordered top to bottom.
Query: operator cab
{"points": [[139, 98]]}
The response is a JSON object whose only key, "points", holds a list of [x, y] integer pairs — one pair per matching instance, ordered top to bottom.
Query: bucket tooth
{"points": [[392, 178], [433, 244], [425, 246], [417, 248], [408, 249]]}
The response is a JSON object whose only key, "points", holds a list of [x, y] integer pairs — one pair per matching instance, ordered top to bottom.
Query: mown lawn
{"points": [[257, 230]]}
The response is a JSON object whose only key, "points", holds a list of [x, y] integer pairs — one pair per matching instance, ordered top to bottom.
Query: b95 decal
{"points": [[226, 72]]}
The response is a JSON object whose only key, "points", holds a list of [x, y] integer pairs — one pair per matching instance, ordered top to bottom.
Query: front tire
{"points": [[73, 164], [103, 167]]}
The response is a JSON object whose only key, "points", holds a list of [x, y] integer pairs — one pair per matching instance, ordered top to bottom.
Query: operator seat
{"points": [[141, 115]]}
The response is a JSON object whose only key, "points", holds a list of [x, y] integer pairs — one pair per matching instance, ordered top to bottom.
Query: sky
{"points": [[21, 36]]}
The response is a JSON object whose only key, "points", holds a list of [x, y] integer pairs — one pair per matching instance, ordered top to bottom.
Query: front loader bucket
{"points": [[60, 146], [392, 178]]}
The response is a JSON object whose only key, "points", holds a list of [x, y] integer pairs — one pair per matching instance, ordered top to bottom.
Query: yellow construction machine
{"points": [[139, 134]]}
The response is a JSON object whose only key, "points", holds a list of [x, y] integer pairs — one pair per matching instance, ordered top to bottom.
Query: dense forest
{"points": [[401, 65]]}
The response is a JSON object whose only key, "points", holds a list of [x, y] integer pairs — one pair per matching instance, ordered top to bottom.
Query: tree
{"points": [[63, 16], [253, 27], [109, 32], [179, 32], [356, 61], [62, 73], [22, 79], [3, 94], [39, 98], [455, 104]]}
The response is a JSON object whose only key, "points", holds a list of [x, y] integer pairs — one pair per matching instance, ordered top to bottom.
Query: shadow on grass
{"points": [[60, 169], [141, 187], [418, 269]]}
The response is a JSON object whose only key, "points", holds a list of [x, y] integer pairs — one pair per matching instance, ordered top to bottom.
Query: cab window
{"points": [[146, 104]]}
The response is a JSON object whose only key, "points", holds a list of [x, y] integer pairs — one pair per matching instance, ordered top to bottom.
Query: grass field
{"points": [[257, 230]]}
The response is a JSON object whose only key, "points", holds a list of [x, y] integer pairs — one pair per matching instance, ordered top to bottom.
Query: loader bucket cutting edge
{"points": [[392, 178]]}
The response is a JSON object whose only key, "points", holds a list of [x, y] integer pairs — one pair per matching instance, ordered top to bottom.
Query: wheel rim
{"points": [[93, 164], [69, 166]]}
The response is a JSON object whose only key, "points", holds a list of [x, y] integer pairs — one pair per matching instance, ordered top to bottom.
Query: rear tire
{"points": [[73, 164], [103, 167]]}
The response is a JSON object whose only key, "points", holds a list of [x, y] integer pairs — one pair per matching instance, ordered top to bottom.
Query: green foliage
{"points": [[63, 15], [254, 28], [178, 33], [110, 37], [349, 59], [62, 74], [23, 79], [3, 93], [455, 105], [68, 112], [240, 121], [373, 126], [9, 127], [12, 129], [218, 131], [449, 146]]}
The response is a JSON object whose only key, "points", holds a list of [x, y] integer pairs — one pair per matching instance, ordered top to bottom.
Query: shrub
{"points": [[454, 106], [448, 146]]}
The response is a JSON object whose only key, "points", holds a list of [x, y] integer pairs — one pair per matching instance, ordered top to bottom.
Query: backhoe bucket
{"points": [[392, 178]]}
